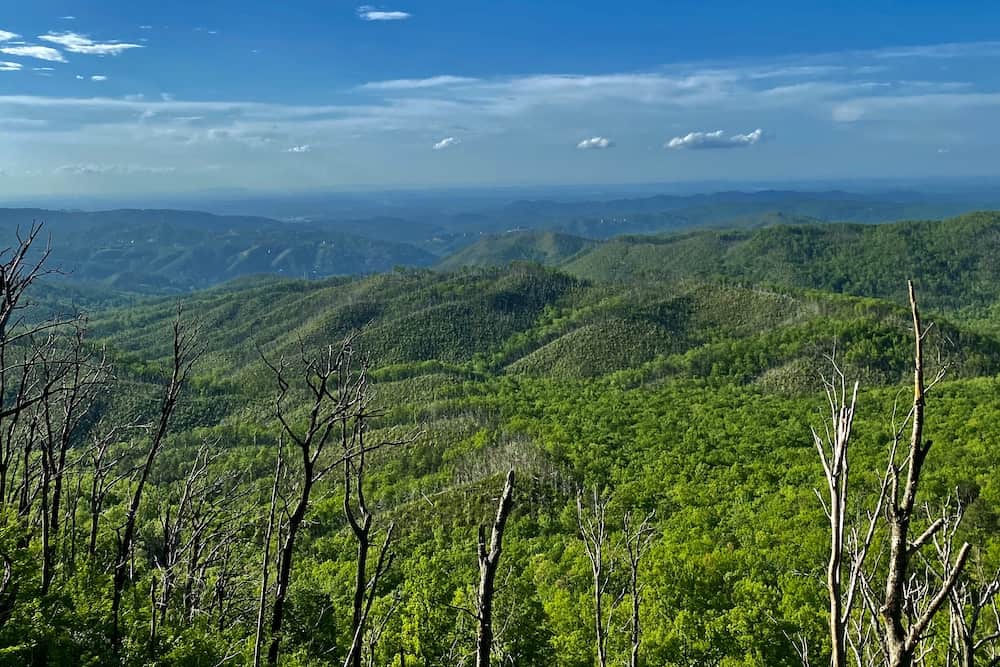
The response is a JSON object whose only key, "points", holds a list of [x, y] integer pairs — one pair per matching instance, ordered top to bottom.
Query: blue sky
{"points": [[109, 96]]}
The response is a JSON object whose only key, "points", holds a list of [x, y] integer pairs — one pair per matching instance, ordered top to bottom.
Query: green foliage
{"points": [[686, 383]]}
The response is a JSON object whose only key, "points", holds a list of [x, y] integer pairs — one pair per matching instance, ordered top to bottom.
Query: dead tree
{"points": [[185, 353], [39, 366], [83, 375], [19, 389], [334, 390], [833, 451], [354, 452], [105, 462], [593, 526], [179, 534], [637, 538], [489, 559], [265, 568], [971, 603], [899, 619], [901, 635], [973, 641]]}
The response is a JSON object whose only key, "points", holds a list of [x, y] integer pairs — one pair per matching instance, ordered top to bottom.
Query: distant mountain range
{"points": [[165, 251], [169, 251]]}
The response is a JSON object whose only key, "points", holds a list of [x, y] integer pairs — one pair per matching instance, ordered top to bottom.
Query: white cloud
{"points": [[369, 13], [67, 18], [145, 27], [7, 36], [76, 43], [37, 52], [6, 66], [43, 69], [79, 77], [98, 77], [417, 84], [697, 140], [447, 142], [595, 143], [304, 148]]}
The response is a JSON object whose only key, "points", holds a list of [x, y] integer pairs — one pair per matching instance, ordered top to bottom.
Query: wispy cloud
{"points": [[369, 13], [67, 18], [6, 36], [76, 43], [946, 51], [37, 52], [6, 66], [98, 77], [418, 84], [886, 107], [716, 139], [447, 142], [595, 143], [304, 148], [87, 169]]}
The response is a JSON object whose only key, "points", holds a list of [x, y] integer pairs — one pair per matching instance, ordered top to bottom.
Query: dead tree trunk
{"points": [[184, 356], [833, 454], [359, 517], [637, 541], [489, 559], [265, 568], [902, 637]]}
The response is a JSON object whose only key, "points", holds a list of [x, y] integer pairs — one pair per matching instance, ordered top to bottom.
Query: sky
{"points": [[115, 96]]}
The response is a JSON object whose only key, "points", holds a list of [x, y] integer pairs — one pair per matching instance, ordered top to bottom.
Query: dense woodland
{"points": [[637, 455]]}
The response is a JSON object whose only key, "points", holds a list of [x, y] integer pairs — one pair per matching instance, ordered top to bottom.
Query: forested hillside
{"points": [[954, 259], [654, 395]]}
